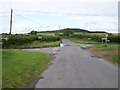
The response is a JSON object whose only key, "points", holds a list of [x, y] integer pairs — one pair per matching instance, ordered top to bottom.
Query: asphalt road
{"points": [[75, 67]]}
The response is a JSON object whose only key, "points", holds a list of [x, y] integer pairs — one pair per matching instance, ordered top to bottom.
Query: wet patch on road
{"points": [[95, 56]]}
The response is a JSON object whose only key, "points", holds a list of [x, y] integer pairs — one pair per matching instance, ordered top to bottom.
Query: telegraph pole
{"points": [[11, 22], [59, 29]]}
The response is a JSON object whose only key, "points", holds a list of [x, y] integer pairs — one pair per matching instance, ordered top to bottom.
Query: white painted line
{"points": [[54, 48], [57, 48]]}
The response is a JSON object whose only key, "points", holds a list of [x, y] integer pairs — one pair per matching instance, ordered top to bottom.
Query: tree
{"points": [[33, 32], [68, 32], [5, 34]]}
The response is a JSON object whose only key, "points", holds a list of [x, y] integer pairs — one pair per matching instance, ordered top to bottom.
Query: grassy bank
{"points": [[110, 52], [20, 67]]}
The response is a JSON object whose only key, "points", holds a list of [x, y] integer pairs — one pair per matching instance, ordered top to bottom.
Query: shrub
{"points": [[68, 32], [50, 38], [113, 38]]}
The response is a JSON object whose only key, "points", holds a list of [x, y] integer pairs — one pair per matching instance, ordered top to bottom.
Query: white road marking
{"points": [[55, 49]]}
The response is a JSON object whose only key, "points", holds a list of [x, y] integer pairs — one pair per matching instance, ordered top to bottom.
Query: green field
{"points": [[21, 67]]}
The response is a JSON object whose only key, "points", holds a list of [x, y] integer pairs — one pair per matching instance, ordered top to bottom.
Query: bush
{"points": [[68, 32], [50, 38], [113, 38]]}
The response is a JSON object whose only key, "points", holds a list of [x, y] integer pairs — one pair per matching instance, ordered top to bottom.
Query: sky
{"points": [[41, 15]]}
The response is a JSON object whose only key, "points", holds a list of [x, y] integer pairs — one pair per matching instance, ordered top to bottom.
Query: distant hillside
{"points": [[74, 29], [78, 30], [97, 32]]}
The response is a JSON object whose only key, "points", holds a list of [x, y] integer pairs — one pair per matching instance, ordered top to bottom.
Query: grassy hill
{"points": [[73, 29], [76, 30]]}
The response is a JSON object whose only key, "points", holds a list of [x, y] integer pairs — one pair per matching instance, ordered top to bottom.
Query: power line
{"points": [[4, 12], [68, 13], [4, 15], [25, 17], [28, 18]]}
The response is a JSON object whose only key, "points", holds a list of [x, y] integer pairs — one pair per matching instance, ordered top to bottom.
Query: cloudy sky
{"points": [[42, 15]]}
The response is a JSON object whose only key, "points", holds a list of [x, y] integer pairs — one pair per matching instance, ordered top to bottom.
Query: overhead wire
{"points": [[4, 12], [68, 13], [25, 17], [29, 18]]}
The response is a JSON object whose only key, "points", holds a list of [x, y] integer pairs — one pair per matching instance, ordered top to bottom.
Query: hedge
{"points": [[97, 37], [48, 38], [14, 41]]}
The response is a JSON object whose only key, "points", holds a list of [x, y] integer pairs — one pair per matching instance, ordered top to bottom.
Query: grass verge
{"points": [[35, 44], [45, 44], [110, 52], [21, 67]]}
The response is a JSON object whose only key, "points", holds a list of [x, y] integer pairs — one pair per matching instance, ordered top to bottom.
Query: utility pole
{"points": [[11, 22], [59, 29]]}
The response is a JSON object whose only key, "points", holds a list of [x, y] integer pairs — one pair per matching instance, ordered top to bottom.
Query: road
{"points": [[75, 67]]}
